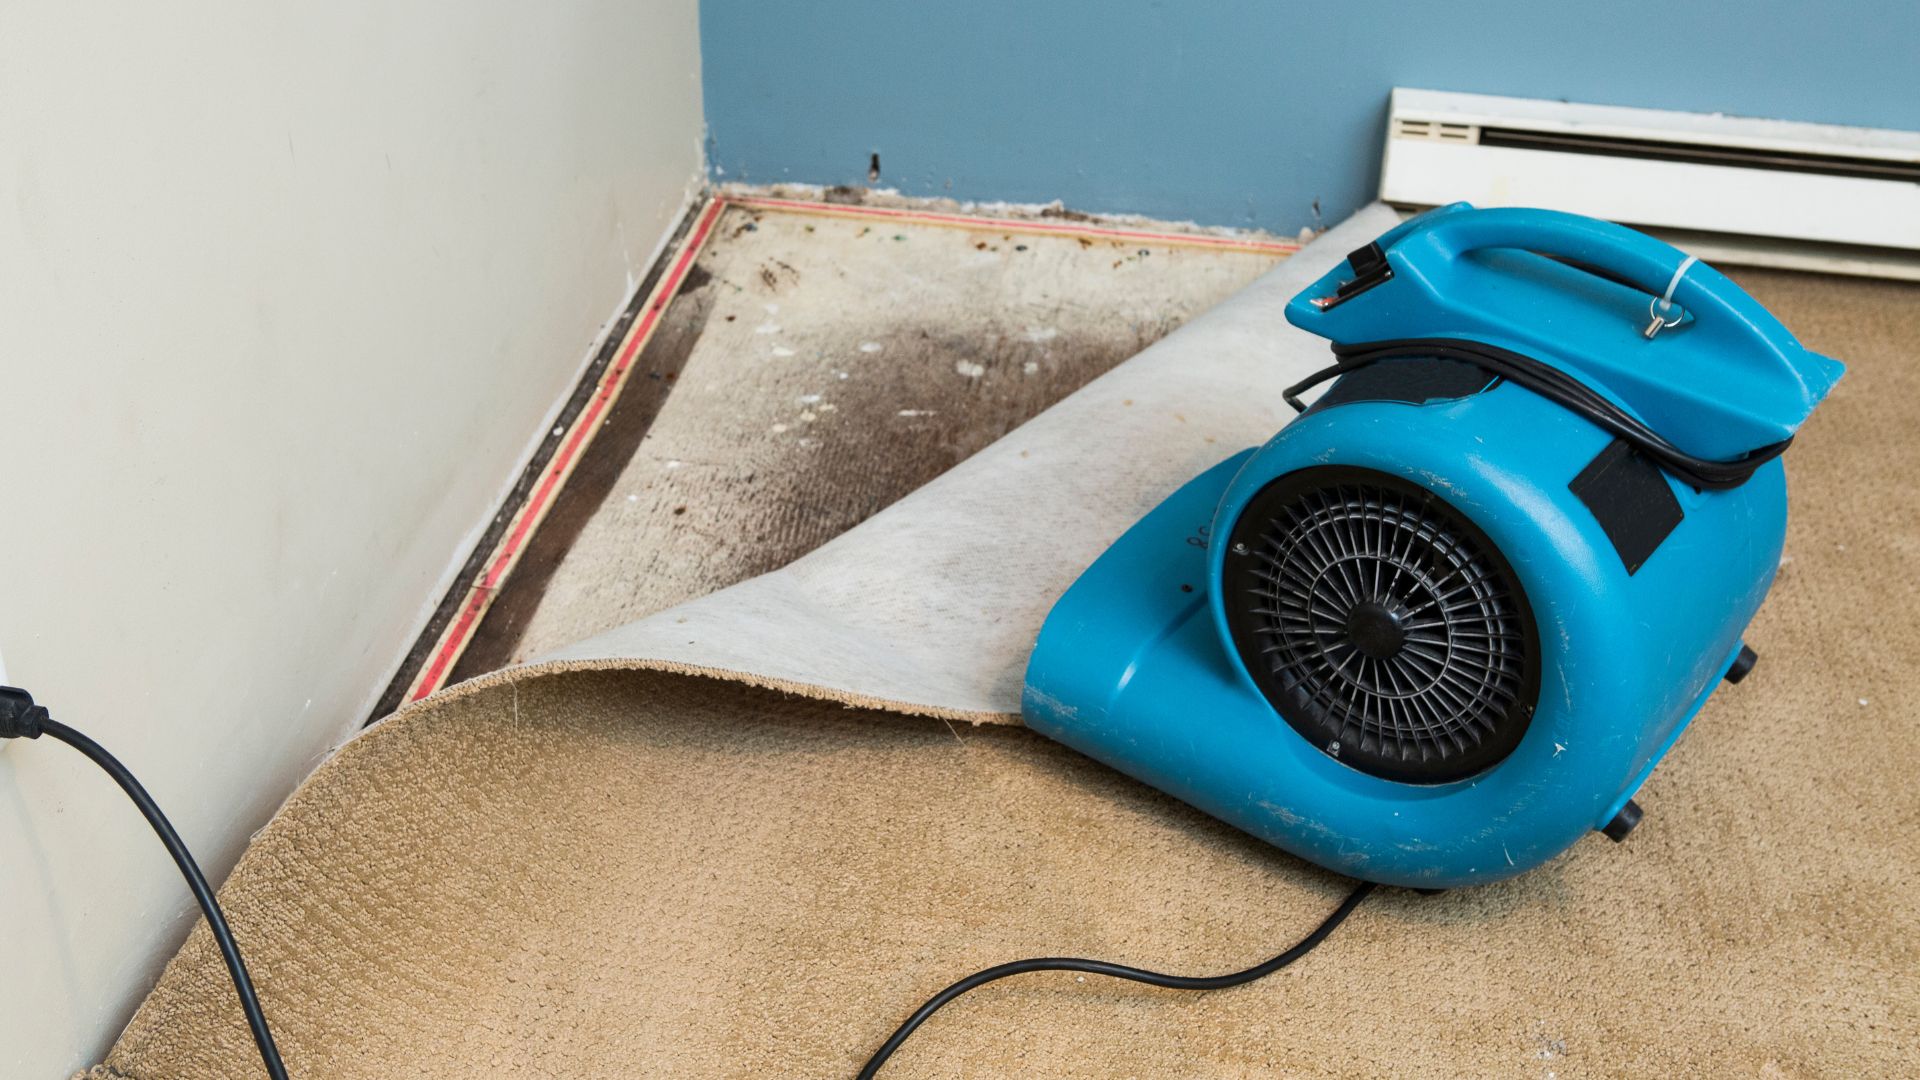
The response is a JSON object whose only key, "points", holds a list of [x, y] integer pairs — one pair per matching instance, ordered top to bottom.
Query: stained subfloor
{"points": [[821, 368]]}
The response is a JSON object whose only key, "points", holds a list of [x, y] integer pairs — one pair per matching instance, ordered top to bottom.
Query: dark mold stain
{"points": [[1065, 214], [778, 272], [697, 278], [869, 456]]}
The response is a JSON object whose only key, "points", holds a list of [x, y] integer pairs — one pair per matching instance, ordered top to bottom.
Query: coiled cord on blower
{"points": [[1562, 389], [1118, 971]]}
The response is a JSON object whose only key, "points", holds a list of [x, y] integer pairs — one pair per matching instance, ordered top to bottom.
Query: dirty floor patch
{"points": [[824, 368]]}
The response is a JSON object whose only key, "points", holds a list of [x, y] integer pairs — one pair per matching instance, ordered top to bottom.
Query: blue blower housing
{"points": [[1448, 620]]}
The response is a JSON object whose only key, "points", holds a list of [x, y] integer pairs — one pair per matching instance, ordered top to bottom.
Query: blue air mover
{"points": [[1448, 620]]}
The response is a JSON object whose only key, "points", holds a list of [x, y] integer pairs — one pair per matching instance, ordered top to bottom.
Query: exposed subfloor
{"points": [[822, 368]]}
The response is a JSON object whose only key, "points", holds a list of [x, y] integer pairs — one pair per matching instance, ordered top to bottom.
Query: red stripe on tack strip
{"points": [[506, 554], [480, 596]]}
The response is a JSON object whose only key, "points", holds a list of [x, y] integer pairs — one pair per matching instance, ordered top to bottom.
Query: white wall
{"points": [[286, 294]]}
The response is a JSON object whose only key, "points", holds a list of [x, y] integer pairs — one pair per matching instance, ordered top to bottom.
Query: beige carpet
{"points": [[643, 874]]}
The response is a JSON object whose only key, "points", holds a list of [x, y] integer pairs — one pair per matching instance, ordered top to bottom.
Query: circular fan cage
{"points": [[1382, 625]]}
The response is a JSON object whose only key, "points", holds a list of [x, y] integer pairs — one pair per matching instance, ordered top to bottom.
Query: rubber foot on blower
{"points": [[1742, 664], [1623, 822]]}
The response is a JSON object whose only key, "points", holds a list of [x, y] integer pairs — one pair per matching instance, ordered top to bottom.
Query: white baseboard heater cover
{"points": [[1735, 189]]}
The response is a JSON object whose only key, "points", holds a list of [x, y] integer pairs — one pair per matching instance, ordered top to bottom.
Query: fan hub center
{"points": [[1375, 629]]}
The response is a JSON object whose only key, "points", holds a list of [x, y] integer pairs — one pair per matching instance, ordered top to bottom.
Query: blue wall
{"points": [[1236, 113]]}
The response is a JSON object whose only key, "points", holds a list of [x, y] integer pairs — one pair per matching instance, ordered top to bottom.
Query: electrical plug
{"points": [[20, 718]]}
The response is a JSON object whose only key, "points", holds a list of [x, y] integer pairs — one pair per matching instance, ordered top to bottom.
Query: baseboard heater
{"points": [[1728, 188]]}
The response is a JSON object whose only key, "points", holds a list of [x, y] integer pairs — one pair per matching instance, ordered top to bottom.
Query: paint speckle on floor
{"points": [[767, 328], [1037, 334], [869, 346], [782, 350], [1030, 367], [969, 368], [809, 399], [916, 412], [778, 429], [1550, 1048]]}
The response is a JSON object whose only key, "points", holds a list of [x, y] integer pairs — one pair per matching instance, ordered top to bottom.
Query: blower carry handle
{"points": [[1629, 255]]}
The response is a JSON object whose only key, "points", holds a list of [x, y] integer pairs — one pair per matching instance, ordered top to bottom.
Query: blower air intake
{"points": [[1448, 620], [1382, 624]]}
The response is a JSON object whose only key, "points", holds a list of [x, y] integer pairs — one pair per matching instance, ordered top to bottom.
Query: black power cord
{"points": [[1561, 388], [20, 718], [1118, 971]]}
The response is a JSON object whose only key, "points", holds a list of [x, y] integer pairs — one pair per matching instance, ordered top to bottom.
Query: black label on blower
{"points": [[1630, 499]]}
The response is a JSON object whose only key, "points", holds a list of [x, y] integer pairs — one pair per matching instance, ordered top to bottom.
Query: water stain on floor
{"points": [[821, 369]]}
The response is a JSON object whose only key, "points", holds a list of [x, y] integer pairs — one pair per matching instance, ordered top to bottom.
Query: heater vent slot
{"points": [[1437, 130], [1747, 157], [1382, 625]]}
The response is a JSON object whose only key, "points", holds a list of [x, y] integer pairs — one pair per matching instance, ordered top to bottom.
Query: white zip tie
{"points": [[1666, 301]]}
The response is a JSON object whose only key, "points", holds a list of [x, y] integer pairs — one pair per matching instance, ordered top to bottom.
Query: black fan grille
{"points": [[1382, 624]]}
